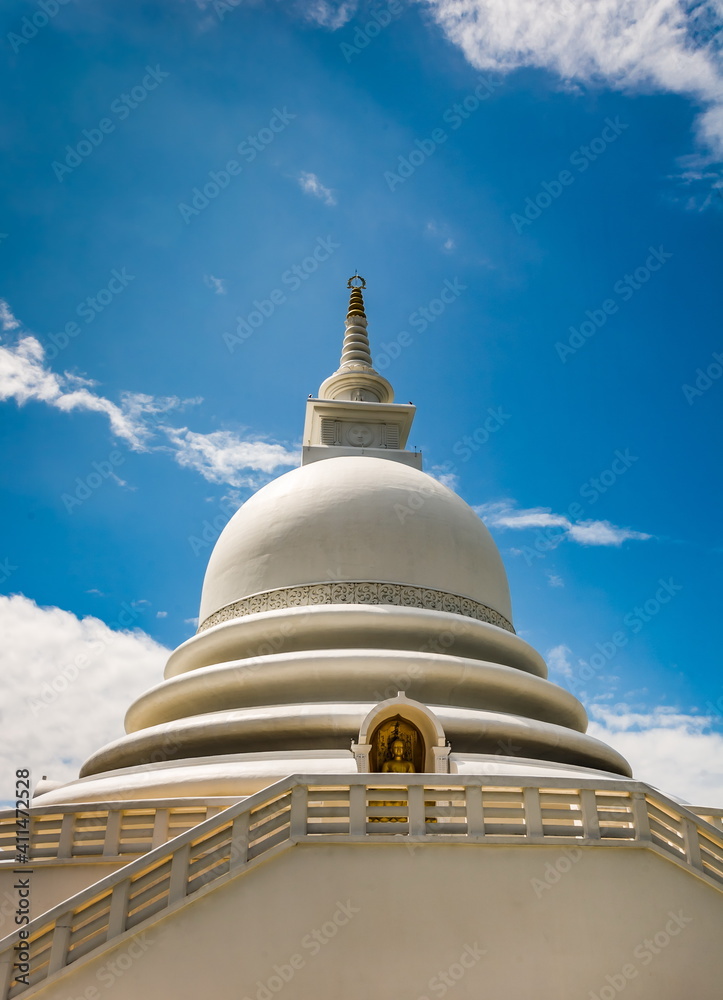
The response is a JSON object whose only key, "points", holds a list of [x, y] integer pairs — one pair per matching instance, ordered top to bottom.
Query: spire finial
{"points": [[356, 300], [355, 378]]}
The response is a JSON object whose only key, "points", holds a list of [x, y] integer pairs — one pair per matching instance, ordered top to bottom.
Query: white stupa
{"points": [[356, 691]]}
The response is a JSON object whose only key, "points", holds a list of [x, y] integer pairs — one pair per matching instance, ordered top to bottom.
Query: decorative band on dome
{"points": [[357, 592]]}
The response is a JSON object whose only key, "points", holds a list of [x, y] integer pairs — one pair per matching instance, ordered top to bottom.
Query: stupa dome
{"points": [[356, 519], [339, 597]]}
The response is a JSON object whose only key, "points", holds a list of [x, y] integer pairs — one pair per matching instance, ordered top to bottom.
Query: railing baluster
{"points": [[415, 802], [357, 810], [475, 811], [533, 812], [640, 816], [590, 817], [298, 822], [160, 828], [65, 841], [111, 842], [692, 843], [239, 851], [178, 882], [118, 909], [61, 940], [6, 975]]}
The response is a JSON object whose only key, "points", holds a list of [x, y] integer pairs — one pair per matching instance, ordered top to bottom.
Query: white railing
{"points": [[360, 808], [710, 814], [103, 831]]}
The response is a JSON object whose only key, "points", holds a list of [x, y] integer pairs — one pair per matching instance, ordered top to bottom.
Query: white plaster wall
{"points": [[49, 885], [393, 920]]}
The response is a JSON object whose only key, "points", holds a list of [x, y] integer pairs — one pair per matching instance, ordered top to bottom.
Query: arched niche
{"points": [[419, 727]]}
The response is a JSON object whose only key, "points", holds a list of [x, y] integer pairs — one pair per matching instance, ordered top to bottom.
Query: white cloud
{"points": [[327, 13], [629, 45], [310, 184], [441, 232], [217, 285], [7, 319], [24, 376], [139, 419], [221, 456], [446, 478], [504, 514], [554, 580], [161, 614], [558, 659], [67, 683], [679, 753]]}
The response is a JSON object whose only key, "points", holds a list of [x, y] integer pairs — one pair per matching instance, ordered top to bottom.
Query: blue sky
{"points": [[560, 169]]}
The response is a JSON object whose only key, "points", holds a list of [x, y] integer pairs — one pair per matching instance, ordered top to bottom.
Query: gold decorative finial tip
{"points": [[356, 277]]}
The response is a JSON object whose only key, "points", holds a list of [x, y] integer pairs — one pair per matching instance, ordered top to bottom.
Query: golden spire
{"points": [[356, 300]]}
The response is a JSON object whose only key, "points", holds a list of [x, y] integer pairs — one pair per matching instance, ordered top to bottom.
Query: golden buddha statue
{"points": [[399, 763]]}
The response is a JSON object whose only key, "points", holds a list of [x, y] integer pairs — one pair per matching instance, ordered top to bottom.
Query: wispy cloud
{"points": [[327, 13], [670, 45], [310, 184], [441, 232], [217, 285], [7, 319], [24, 376], [139, 419], [223, 457], [443, 476], [505, 515], [554, 580], [558, 659]]}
